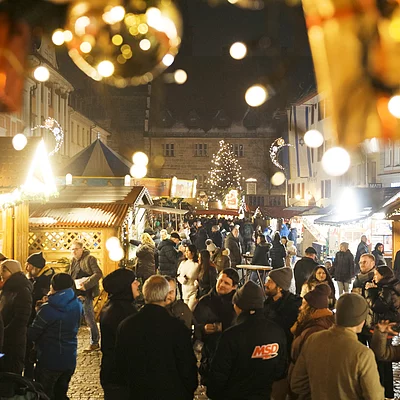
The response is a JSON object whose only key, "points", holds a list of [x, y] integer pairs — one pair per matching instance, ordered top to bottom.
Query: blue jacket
{"points": [[55, 329]]}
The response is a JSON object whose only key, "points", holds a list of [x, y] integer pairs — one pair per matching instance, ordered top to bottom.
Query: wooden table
{"points": [[248, 269]]}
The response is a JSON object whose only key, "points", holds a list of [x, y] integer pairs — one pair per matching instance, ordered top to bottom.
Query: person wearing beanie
{"points": [[211, 247], [304, 268], [123, 293], [282, 307], [15, 309], [213, 314], [54, 332], [253, 344], [333, 364]]}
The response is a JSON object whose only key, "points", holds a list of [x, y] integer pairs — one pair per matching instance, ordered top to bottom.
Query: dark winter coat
{"points": [[217, 238], [200, 240], [233, 245], [362, 248], [261, 254], [277, 254], [168, 257], [379, 257], [220, 260], [146, 265], [396, 265], [87, 266], [343, 266], [302, 271], [207, 281], [384, 300], [118, 307], [15, 308], [210, 309], [180, 310], [283, 312], [54, 331], [250, 356], [155, 357]]}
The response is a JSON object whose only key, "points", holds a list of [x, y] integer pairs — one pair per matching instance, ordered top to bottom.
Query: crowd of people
{"points": [[290, 336]]}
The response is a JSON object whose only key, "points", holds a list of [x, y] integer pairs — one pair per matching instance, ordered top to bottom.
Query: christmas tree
{"points": [[224, 174]]}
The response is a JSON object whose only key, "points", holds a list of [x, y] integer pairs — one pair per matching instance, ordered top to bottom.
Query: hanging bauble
{"points": [[124, 44]]}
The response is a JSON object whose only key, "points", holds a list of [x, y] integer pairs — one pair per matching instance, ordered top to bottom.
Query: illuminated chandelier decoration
{"points": [[122, 43], [55, 128], [276, 146]]}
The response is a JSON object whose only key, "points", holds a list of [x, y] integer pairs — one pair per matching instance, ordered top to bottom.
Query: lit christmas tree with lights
{"points": [[225, 174]]}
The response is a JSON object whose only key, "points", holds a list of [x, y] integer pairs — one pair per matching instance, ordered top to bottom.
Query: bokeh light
{"points": [[58, 37], [238, 51], [105, 68], [41, 74], [180, 76], [256, 95], [394, 106], [313, 138], [19, 141], [140, 158], [336, 161], [138, 171], [278, 178], [112, 243], [116, 254]]}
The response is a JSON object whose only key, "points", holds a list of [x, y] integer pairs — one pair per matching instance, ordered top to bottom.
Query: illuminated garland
{"points": [[55, 128], [276, 146]]}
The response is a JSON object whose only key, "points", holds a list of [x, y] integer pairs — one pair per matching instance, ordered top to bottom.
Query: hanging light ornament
{"points": [[124, 44], [55, 128], [276, 146]]}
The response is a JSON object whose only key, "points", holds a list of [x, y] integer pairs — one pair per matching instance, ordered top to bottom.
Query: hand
{"points": [[181, 248], [370, 285], [135, 288], [386, 327], [209, 328]]}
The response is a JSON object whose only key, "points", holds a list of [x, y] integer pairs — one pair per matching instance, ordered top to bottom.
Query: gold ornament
{"points": [[124, 44]]}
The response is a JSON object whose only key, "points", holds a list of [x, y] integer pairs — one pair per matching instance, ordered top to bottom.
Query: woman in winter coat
{"points": [[146, 252], [277, 252], [378, 254], [260, 257], [343, 268], [188, 273], [207, 274], [320, 275], [15, 308]]}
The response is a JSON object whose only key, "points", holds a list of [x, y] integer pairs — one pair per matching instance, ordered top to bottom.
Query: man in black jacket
{"points": [[233, 244], [362, 248], [168, 255], [304, 268], [213, 314], [253, 344], [154, 351]]}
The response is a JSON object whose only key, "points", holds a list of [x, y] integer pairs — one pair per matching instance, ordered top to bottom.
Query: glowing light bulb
{"points": [[117, 13], [67, 36], [58, 37], [145, 44], [85, 47], [238, 51], [168, 60], [105, 68], [41, 74], [180, 76], [256, 95], [394, 106], [313, 138], [19, 141], [140, 158], [336, 161], [138, 171], [278, 178], [112, 243], [116, 254]]}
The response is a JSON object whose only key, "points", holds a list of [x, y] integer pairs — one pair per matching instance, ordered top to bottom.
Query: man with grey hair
{"points": [[233, 244], [152, 346]]}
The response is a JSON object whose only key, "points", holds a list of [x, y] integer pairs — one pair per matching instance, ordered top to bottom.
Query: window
{"points": [[42, 92], [50, 97], [321, 110], [312, 114], [78, 134], [238, 149], [168, 150], [201, 150], [397, 153], [388, 154], [312, 155], [372, 172], [201, 180], [303, 189], [322, 189], [328, 189]]}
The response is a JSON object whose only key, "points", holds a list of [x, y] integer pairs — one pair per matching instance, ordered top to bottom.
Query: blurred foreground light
{"points": [[117, 13], [67, 36], [58, 37], [145, 44], [238, 51], [168, 60], [105, 68], [41, 74], [180, 76], [256, 95], [394, 106], [313, 138], [19, 141], [140, 158], [336, 161], [138, 171], [278, 178], [297, 197], [112, 243], [116, 254]]}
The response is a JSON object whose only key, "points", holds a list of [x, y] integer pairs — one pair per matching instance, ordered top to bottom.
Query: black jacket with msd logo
{"points": [[250, 356]]}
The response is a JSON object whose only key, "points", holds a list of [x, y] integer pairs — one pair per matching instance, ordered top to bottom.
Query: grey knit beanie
{"points": [[282, 277], [351, 310]]}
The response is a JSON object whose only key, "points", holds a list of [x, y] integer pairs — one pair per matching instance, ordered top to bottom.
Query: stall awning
{"points": [[165, 210], [216, 212], [337, 220]]}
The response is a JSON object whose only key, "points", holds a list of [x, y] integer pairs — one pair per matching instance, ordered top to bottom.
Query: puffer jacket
{"points": [[277, 254], [168, 257], [146, 265], [87, 266], [343, 266], [15, 308], [55, 330]]}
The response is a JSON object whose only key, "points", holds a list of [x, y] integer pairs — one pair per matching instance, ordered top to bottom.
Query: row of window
{"points": [[80, 135], [200, 150], [392, 154], [297, 190]]}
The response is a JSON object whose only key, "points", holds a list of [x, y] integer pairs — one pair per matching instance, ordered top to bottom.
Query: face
{"points": [[235, 232], [163, 235], [364, 239], [175, 240], [283, 241], [342, 248], [380, 248], [76, 251], [188, 254], [366, 264], [33, 271], [5, 273], [320, 275], [377, 276], [224, 284], [271, 289], [171, 297], [303, 305]]}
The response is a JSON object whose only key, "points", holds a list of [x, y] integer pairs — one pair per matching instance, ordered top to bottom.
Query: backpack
{"points": [[16, 387]]}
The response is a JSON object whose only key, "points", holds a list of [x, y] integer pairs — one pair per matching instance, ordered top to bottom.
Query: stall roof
{"points": [[166, 210], [216, 212], [284, 212], [79, 215], [337, 220]]}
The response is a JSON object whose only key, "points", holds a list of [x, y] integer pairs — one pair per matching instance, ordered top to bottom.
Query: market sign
{"points": [[232, 199]]}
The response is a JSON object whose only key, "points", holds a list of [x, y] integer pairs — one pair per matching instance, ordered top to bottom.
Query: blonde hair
{"points": [[146, 239], [345, 245]]}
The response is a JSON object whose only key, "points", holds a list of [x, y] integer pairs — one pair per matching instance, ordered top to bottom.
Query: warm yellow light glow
{"points": [[117, 13], [154, 17], [80, 25], [143, 28], [394, 29], [67, 36], [58, 37], [117, 40], [145, 44], [85, 47], [126, 49], [238, 51], [168, 60], [105, 68], [41, 74], [180, 76], [256, 95], [394, 106], [313, 138], [19, 141], [140, 158], [336, 161], [138, 171], [278, 178], [68, 179], [297, 197], [112, 243], [116, 254]]}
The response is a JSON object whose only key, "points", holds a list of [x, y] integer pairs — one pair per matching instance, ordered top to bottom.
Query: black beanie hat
{"points": [[175, 235], [37, 260], [385, 271], [62, 281], [119, 281], [249, 297], [318, 298]]}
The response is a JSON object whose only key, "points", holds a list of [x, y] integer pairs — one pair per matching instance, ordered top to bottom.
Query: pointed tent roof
{"points": [[97, 160]]}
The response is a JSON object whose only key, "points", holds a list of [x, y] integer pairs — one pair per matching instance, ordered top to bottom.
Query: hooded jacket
{"points": [[168, 257], [146, 265], [343, 266], [15, 308], [55, 330], [253, 344]]}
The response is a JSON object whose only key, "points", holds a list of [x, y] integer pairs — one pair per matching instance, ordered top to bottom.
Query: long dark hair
{"points": [[193, 249], [205, 265], [312, 280]]}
